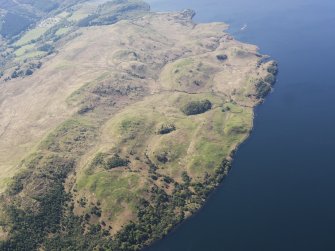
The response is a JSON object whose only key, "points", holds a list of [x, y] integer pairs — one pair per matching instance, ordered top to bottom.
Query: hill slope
{"points": [[123, 133]]}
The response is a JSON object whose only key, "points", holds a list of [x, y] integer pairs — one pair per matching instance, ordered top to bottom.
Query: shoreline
{"points": [[212, 193]]}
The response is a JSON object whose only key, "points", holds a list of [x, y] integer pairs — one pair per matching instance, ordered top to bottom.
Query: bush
{"points": [[87, 20], [46, 47], [222, 57], [273, 68], [29, 72], [14, 74], [270, 78], [262, 89], [197, 107], [85, 109], [226, 109], [167, 128], [238, 130], [162, 157], [98, 159], [116, 161], [186, 178], [82, 202], [96, 211]]}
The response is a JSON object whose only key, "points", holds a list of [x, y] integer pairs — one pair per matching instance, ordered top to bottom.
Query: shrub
{"points": [[87, 20], [46, 48], [222, 57], [273, 68], [29, 72], [14, 74], [270, 78], [262, 89], [197, 107], [85, 109], [226, 109], [167, 128], [238, 130], [162, 157], [98, 159], [116, 161], [186, 178], [167, 179], [82, 202], [96, 211]]}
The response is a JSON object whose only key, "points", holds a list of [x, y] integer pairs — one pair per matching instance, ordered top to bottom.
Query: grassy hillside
{"points": [[130, 126]]}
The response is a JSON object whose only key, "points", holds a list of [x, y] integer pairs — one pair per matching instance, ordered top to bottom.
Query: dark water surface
{"points": [[280, 194]]}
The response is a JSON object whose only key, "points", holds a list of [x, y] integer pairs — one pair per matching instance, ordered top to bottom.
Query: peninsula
{"points": [[117, 122]]}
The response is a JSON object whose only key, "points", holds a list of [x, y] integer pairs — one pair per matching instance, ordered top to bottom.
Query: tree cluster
{"points": [[197, 107]]}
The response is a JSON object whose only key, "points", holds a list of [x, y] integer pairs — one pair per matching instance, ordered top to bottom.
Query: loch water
{"points": [[280, 193]]}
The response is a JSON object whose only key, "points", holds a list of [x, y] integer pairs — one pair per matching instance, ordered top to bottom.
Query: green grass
{"points": [[81, 13], [63, 14], [62, 31], [30, 35], [24, 49], [30, 55], [183, 64], [233, 108], [239, 122], [131, 129], [71, 137], [199, 143], [212, 154], [4, 183], [114, 189]]}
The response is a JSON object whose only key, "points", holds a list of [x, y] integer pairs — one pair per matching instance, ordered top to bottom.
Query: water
{"points": [[280, 192]]}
